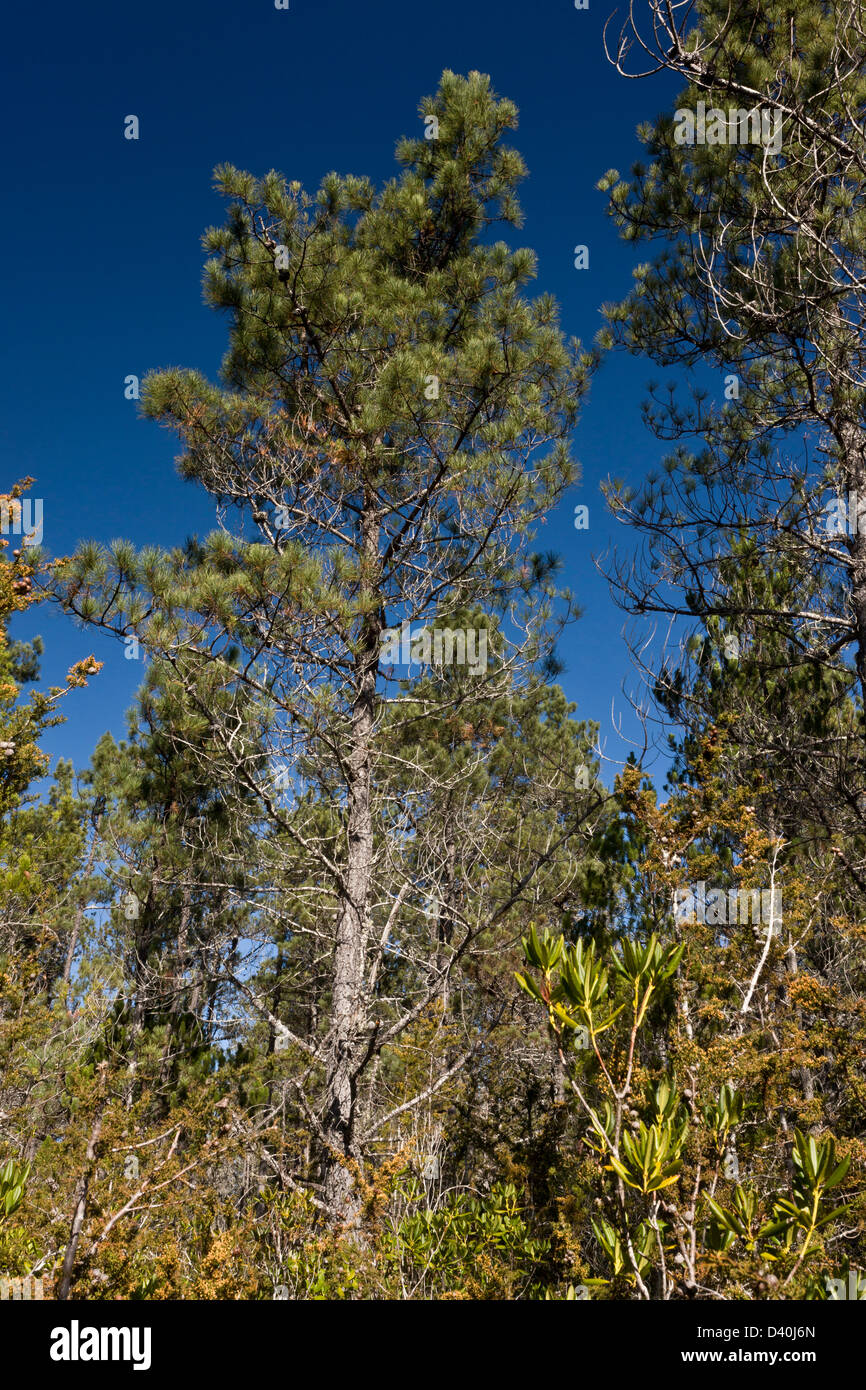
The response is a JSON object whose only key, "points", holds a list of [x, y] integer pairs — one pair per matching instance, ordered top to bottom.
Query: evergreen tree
{"points": [[754, 182], [392, 424]]}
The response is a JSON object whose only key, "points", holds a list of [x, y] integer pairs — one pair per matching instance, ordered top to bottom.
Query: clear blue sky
{"points": [[101, 250]]}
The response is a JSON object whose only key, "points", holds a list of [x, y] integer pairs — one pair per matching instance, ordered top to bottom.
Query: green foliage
{"points": [[259, 1029], [477, 1247]]}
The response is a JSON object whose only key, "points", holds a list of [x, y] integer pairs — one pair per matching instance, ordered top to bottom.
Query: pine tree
{"points": [[754, 186], [391, 427]]}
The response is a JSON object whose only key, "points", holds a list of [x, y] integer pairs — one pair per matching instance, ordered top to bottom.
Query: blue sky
{"points": [[101, 245]]}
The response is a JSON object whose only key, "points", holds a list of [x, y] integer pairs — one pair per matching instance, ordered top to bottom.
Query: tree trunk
{"points": [[854, 446], [348, 1007], [80, 1207]]}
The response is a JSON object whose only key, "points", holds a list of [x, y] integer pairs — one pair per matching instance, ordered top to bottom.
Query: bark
{"points": [[854, 449], [445, 918], [348, 1006], [80, 1210]]}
